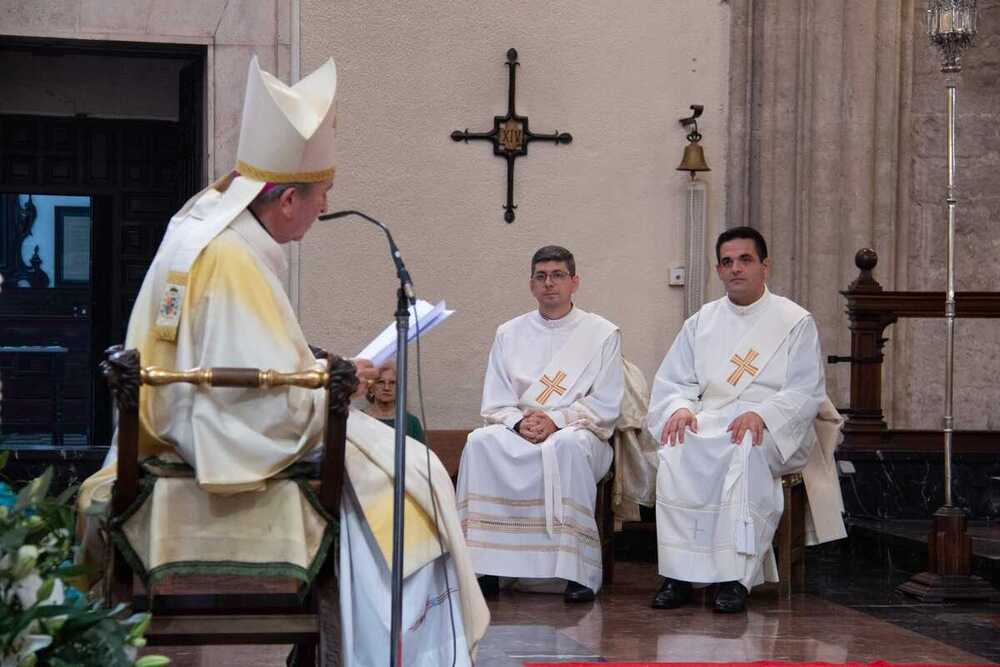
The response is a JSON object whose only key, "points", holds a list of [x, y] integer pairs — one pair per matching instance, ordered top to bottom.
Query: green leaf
{"points": [[4, 455], [43, 483], [67, 494], [23, 497], [13, 538], [70, 571], [45, 590], [28, 617], [140, 628], [152, 661]]}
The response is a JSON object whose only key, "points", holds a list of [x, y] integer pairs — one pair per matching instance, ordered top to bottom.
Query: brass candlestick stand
{"points": [[951, 26]]}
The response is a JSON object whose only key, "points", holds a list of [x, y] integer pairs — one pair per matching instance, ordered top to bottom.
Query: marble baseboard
{"points": [[912, 487]]}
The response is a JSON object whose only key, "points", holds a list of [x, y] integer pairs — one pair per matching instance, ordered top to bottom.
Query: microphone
{"points": [[404, 276]]}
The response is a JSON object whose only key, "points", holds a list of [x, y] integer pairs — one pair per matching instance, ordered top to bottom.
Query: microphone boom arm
{"points": [[404, 276]]}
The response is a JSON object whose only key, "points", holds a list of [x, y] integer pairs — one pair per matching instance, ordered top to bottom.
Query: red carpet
{"points": [[761, 663]]}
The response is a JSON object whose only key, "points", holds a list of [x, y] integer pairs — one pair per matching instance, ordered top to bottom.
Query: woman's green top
{"points": [[413, 427]]}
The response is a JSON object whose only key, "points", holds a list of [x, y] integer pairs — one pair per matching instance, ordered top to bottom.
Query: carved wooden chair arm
{"points": [[125, 375]]}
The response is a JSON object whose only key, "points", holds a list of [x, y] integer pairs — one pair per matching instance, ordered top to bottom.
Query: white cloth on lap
{"points": [[502, 505], [527, 509]]}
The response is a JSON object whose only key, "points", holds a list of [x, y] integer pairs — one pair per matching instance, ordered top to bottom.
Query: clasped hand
{"points": [[683, 419], [536, 426]]}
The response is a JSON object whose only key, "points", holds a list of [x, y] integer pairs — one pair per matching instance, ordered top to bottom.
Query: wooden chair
{"points": [[605, 517], [791, 538], [186, 620]]}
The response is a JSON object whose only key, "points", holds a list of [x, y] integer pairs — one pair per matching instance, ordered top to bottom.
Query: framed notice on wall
{"points": [[72, 245]]}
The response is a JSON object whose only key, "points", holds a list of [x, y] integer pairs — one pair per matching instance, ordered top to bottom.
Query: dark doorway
{"points": [[92, 184]]}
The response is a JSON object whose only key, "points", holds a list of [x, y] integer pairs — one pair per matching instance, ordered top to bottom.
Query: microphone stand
{"points": [[404, 297], [399, 490]]}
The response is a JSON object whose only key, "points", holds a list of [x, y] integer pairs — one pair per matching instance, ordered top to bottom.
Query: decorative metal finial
{"points": [[951, 26]]}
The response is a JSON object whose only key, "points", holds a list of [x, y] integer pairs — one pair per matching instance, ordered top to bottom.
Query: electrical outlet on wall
{"points": [[676, 275]]}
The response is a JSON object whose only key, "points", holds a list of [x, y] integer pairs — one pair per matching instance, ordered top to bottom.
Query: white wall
{"points": [[617, 75]]}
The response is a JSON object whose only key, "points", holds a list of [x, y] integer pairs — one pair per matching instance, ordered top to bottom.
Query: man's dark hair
{"points": [[742, 233], [554, 253]]}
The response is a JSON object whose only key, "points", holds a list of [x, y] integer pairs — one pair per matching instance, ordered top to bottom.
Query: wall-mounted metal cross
{"points": [[511, 136]]}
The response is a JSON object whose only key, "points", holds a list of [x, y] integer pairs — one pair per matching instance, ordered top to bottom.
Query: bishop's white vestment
{"points": [[230, 310], [718, 503], [527, 509]]}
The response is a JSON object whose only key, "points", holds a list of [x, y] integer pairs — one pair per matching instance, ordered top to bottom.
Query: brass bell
{"points": [[694, 154], [694, 158]]}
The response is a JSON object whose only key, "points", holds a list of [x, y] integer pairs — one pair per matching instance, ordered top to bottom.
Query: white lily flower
{"points": [[27, 556], [26, 589], [24, 646]]}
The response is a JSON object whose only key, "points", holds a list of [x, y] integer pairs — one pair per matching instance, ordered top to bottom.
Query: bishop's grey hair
{"points": [[275, 191]]}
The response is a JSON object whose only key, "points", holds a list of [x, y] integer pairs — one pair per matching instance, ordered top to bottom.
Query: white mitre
{"points": [[287, 136]]}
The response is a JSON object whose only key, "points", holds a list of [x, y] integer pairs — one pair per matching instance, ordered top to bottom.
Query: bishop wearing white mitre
{"points": [[214, 297], [739, 401], [527, 484]]}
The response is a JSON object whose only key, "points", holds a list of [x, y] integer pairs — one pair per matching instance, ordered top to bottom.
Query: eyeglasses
{"points": [[556, 277]]}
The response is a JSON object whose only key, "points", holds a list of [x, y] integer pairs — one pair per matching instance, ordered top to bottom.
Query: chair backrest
{"points": [[125, 376]]}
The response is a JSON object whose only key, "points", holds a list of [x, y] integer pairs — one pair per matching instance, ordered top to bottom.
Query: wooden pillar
{"points": [[865, 424]]}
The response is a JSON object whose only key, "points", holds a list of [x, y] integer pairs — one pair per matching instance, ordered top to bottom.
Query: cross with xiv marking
{"points": [[510, 136]]}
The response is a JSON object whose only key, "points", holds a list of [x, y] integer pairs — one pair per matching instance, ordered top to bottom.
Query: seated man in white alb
{"points": [[738, 402], [527, 484]]}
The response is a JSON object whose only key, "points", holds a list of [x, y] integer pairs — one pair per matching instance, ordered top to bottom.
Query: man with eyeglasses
{"points": [[739, 401], [527, 484]]}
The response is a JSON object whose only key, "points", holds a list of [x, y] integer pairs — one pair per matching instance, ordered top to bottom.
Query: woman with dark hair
{"points": [[382, 402]]}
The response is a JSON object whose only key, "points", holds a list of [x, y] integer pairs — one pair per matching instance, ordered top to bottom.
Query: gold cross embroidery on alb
{"points": [[743, 365], [552, 386]]}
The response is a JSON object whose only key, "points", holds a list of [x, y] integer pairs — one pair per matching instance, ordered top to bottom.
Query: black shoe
{"points": [[489, 584], [577, 593], [672, 594], [731, 598]]}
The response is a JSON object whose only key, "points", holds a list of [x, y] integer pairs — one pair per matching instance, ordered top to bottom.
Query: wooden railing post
{"points": [[871, 309], [865, 423]]}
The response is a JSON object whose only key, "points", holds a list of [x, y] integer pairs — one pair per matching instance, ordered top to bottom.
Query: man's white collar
{"points": [[751, 308], [571, 316]]}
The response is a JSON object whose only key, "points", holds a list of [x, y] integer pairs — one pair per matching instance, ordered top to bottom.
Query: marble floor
{"points": [[851, 613]]}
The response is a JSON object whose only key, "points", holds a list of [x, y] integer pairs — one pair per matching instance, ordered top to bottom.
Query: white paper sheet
{"points": [[383, 347]]}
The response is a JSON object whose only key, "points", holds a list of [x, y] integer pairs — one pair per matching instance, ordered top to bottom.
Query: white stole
{"points": [[202, 218], [732, 373], [560, 380]]}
